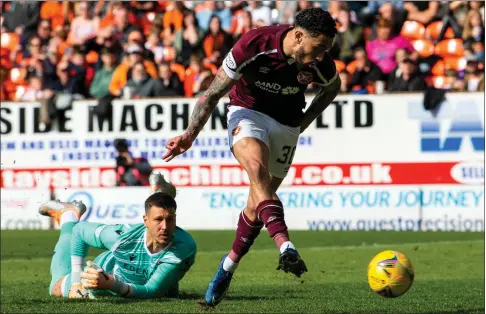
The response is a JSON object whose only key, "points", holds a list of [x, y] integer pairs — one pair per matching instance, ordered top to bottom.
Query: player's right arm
{"points": [[228, 74], [220, 86], [89, 234]]}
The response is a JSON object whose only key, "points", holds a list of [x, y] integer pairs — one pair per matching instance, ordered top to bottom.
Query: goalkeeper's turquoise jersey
{"points": [[128, 258]]}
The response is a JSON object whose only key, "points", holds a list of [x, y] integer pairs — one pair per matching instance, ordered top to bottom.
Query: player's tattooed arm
{"points": [[220, 86], [320, 102]]}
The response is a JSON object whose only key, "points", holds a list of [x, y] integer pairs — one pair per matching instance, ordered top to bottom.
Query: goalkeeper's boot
{"points": [[159, 184], [55, 209], [290, 261], [219, 285]]}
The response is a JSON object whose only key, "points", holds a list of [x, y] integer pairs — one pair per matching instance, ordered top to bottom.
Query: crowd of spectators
{"points": [[58, 51]]}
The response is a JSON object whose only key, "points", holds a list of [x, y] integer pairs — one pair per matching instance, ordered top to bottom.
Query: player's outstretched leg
{"points": [[67, 216]]}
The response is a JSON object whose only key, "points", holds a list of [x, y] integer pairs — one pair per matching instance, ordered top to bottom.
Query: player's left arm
{"points": [[321, 101], [160, 283]]}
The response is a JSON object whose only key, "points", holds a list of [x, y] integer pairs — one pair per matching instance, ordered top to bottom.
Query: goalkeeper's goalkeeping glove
{"points": [[95, 278]]}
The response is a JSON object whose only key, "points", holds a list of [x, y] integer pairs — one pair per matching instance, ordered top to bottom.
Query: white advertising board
{"points": [[360, 139], [399, 208], [19, 209]]}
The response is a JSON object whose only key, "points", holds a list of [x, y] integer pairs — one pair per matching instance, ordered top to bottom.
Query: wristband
{"points": [[120, 287]]}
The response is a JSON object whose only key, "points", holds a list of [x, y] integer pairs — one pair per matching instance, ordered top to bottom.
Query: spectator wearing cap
{"points": [[214, 8], [84, 26], [349, 37], [188, 39], [217, 43], [382, 50], [122, 72], [409, 79], [101, 82], [141, 85], [171, 85]]}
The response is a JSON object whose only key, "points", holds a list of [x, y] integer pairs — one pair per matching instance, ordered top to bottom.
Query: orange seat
{"points": [[413, 30], [432, 31], [9, 41], [424, 47], [450, 48], [92, 57], [455, 63], [340, 66], [351, 67], [438, 69], [179, 70], [17, 76], [438, 81]]}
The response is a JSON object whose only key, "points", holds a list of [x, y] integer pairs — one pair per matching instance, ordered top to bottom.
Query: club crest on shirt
{"points": [[264, 70], [305, 77]]}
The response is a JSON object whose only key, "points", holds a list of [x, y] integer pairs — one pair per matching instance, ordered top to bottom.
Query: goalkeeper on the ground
{"points": [[143, 260]]}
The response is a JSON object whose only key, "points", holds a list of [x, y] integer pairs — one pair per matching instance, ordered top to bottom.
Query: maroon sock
{"points": [[271, 213], [246, 232]]}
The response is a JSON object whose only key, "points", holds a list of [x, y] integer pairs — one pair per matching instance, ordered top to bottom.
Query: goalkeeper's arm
{"points": [[86, 234], [166, 277]]}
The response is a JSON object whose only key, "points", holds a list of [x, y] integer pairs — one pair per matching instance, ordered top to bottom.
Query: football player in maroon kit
{"points": [[266, 73]]}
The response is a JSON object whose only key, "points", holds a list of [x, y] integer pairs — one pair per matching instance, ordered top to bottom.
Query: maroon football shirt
{"points": [[268, 80]]}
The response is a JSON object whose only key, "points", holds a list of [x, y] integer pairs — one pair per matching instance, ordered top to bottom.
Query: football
{"points": [[390, 274]]}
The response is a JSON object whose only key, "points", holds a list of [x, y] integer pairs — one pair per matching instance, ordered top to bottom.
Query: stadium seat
{"points": [[413, 30], [432, 31], [9, 41], [424, 47], [450, 48], [92, 57], [455, 63], [340, 65], [351, 67], [438, 69], [179, 70], [17, 76], [438, 81]]}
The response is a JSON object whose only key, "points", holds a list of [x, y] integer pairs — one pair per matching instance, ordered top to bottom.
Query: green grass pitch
{"points": [[449, 275]]}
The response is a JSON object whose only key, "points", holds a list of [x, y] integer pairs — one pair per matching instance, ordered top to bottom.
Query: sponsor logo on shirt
{"points": [[276, 88]]}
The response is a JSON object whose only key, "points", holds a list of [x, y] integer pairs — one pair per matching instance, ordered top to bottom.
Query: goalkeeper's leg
{"points": [[67, 216], [61, 261]]}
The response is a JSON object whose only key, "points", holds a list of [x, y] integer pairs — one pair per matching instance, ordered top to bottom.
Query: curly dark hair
{"points": [[316, 21]]}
